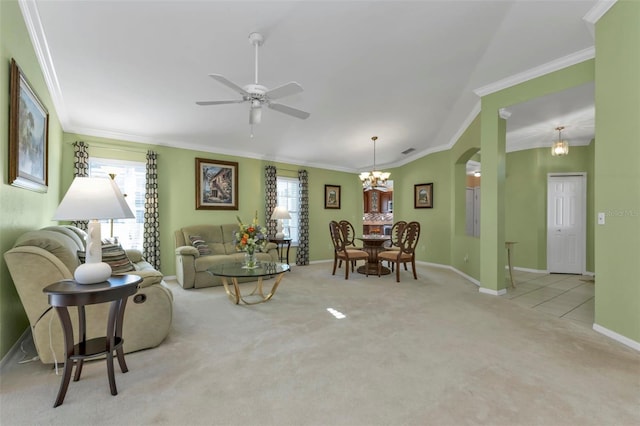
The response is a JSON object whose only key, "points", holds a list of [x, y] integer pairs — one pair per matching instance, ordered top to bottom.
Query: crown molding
{"points": [[598, 11], [594, 15], [36, 34], [549, 67]]}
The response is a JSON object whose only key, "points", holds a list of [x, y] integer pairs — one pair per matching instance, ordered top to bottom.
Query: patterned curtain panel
{"points": [[80, 169], [271, 198], [151, 244], [302, 253]]}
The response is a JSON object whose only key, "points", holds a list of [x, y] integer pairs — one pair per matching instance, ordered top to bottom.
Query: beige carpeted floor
{"points": [[428, 352]]}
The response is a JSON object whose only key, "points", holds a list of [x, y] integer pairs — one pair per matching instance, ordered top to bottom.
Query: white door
{"points": [[566, 223]]}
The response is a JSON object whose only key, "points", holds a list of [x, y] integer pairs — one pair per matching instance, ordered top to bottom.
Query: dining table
{"points": [[373, 244]]}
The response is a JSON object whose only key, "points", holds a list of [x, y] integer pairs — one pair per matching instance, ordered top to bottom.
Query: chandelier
{"points": [[560, 147], [374, 179]]}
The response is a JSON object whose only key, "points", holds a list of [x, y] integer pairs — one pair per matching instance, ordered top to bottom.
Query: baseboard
{"points": [[534, 271], [170, 277], [492, 292], [617, 337], [15, 349]]}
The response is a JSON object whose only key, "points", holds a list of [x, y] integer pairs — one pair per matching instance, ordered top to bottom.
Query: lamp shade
{"points": [[93, 198], [280, 213]]}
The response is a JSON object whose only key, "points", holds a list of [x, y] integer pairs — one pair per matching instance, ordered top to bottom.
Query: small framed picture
{"points": [[28, 134], [216, 185], [332, 196], [423, 196]]}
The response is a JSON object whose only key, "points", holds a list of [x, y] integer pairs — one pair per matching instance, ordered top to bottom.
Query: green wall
{"points": [[176, 181], [617, 186], [526, 201], [22, 210], [492, 230], [435, 242], [465, 250]]}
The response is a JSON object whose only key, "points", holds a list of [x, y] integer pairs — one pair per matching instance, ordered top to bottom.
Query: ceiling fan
{"points": [[258, 95]]}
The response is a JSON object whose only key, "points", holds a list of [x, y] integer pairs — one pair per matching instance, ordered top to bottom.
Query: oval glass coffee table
{"points": [[238, 270]]}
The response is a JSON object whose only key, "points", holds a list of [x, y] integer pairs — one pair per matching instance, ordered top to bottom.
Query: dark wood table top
{"points": [[70, 293]]}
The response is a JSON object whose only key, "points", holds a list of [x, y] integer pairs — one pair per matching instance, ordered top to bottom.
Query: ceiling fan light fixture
{"points": [[255, 114], [560, 147], [374, 179]]}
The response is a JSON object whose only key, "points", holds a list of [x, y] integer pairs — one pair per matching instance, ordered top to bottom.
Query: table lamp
{"points": [[93, 199], [279, 214]]}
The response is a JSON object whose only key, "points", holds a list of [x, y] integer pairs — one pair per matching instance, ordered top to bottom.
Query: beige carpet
{"points": [[428, 352]]}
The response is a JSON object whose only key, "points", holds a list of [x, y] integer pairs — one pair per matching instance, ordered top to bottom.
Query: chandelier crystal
{"points": [[560, 147], [374, 179]]}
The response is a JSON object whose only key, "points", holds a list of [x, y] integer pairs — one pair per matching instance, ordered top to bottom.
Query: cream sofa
{"points": [[39, 258], [191, 266]]}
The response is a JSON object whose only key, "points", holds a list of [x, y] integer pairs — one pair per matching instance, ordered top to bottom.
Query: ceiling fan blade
{"points": [[229, 84], [288, 89], [239, 101], [289, 110]]}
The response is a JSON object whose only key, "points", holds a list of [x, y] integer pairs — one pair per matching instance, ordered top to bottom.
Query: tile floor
{"points": [[566, 296]]}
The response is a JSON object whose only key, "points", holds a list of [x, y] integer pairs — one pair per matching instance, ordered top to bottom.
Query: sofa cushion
{"points": [[228, 232], [200, 244], [115, 256]]}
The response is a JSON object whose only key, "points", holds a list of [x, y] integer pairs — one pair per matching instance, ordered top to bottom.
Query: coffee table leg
{"points": [[268, 296], [235, 297]]}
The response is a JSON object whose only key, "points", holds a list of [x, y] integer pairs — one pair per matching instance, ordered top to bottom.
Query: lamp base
{"points": [[279, 235], [92, 273]]}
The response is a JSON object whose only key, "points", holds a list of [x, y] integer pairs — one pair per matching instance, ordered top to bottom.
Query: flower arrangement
{"points": [[248, 238]]}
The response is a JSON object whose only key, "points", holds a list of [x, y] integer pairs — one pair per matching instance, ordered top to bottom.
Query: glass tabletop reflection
{"points": [[239, 270]]}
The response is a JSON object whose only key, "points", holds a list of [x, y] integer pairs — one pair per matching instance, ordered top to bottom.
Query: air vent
{"points": [[408, 151]]}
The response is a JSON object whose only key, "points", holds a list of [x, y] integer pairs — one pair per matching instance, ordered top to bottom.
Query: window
{"points": [[130, 176], [288, 196]]}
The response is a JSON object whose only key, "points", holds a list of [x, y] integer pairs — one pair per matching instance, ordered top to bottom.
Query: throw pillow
{"points": [[200, 244], [115, 256]]}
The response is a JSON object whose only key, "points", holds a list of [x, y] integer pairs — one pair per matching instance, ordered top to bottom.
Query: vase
{"points": [[250, 260]]}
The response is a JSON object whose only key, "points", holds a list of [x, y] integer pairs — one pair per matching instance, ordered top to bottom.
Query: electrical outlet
{"points": [[466, 258]]}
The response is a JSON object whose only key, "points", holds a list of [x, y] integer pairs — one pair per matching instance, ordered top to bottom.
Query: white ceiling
{"points": [[407, 72]]}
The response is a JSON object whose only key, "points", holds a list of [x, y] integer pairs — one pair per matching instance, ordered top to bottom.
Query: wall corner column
{"points": [[492, 226]]}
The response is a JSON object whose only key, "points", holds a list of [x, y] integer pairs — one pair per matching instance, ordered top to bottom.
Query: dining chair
{"points": [[349, 236], [394, 242], [408, 242], [342, 251]]}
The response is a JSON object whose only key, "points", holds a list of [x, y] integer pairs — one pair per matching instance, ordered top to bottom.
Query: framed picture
{"points": [[28, 134], [216, 185], [332, 196], [423, 196]]}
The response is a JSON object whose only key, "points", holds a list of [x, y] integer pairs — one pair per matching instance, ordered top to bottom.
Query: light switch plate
{"points": [[601, 218]]}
